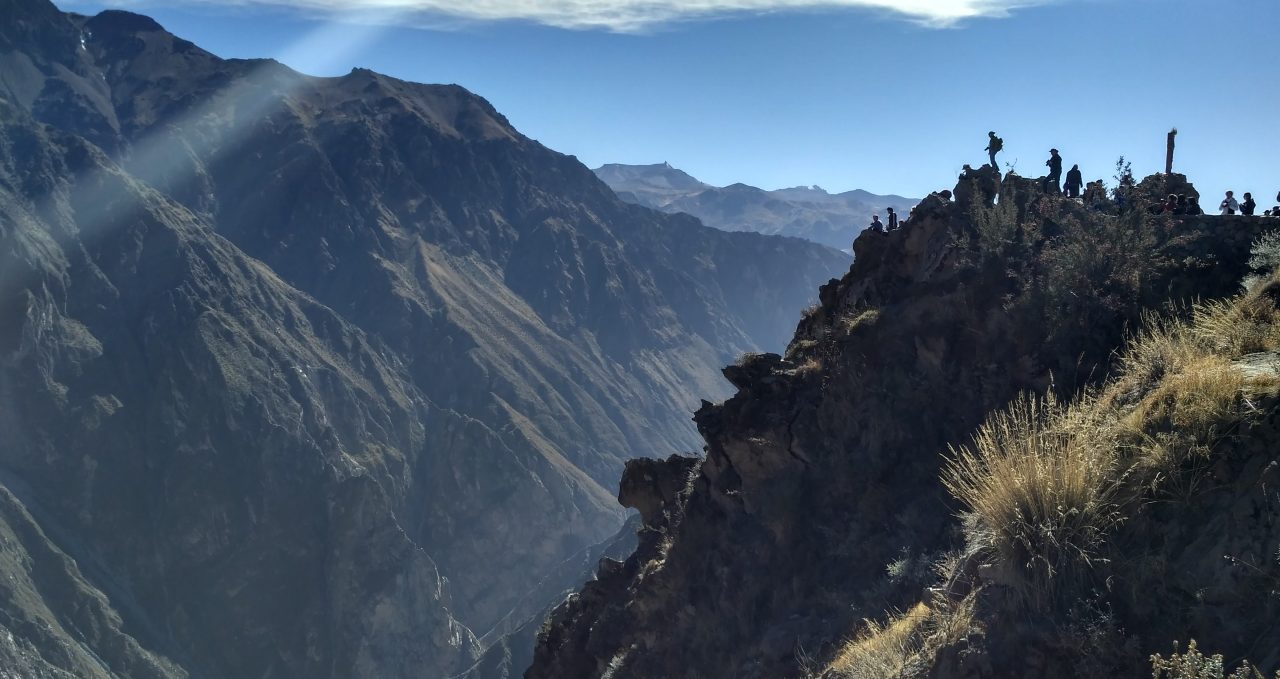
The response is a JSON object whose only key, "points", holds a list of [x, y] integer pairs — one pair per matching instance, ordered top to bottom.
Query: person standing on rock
{"points": [[994, 145], [1055, 172], [1074, 181], [1229, 206], [1248, 206], [893, 218]]}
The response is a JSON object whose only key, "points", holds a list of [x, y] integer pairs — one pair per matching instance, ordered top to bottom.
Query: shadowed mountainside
{"points": [[312, 376]]}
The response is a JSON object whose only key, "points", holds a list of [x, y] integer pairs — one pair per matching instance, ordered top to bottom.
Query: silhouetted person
{"points": [[994, 145], [1055, 172], [1074, 182], [1182, 205], [1193, 206], [1228, 206], [1248, 206], [893, 218], [876, 224]]}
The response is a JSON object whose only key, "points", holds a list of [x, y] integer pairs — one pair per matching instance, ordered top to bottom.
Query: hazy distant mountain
{"points": [[804, 212], [315, 377]]}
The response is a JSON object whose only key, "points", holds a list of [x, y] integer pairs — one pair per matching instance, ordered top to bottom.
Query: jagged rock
{"points": [[982, 184], [649, 486]]}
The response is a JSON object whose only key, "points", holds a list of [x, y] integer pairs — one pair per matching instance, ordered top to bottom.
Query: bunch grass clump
{"points": [[1040, 482]]}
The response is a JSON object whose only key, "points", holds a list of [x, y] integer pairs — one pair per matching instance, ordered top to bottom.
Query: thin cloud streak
{"points": [[630, 16]]}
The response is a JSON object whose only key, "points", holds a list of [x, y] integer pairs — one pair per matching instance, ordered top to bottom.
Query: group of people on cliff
{"points": [[1051, 183], [1095, 192], [880, 227]]}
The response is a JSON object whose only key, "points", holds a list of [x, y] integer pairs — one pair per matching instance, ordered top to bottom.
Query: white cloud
{"points": [[639, 15]]}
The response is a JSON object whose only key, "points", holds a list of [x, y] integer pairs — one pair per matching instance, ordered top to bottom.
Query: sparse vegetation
{"points": [[997, 225], [862, 319], [1044, 483], [886, 649], [1192, 664]]}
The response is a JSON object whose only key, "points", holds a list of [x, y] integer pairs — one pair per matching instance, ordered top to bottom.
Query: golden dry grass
{"points": [[1040, 483], [1043, 484], [882, 650]]}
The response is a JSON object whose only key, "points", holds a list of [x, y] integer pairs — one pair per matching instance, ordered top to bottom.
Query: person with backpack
{"points": [[994, 145], [1074, 181], [1229, 206], [1248, 206]]}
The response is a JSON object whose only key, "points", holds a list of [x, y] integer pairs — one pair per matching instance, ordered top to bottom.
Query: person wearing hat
{"points": [[1055, 171]]}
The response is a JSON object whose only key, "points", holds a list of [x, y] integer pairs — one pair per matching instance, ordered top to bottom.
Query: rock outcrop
{"points": [[819, 502]]}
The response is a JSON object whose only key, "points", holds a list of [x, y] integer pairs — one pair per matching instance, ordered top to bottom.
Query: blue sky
{"points": [[784, 93]]}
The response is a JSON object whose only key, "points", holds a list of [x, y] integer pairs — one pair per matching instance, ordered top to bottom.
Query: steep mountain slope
{"points": [[804, 212], [320, 374], [216, 451], [820, 502]]}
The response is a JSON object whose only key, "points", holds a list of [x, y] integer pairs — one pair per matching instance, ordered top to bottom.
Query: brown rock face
{"points": [[823, 469]]}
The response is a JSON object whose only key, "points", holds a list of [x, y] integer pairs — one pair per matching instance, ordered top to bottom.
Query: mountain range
{"points": [[804, 212], [321, 377]]}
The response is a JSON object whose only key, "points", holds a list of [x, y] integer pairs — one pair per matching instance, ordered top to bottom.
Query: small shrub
{"points": [[997, 226], [1265, 260], [863, 319], [1192, 664]]}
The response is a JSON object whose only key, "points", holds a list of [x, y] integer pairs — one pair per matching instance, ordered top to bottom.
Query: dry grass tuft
{"points": [[1040, 483], [888, 649], [882, 650]]}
